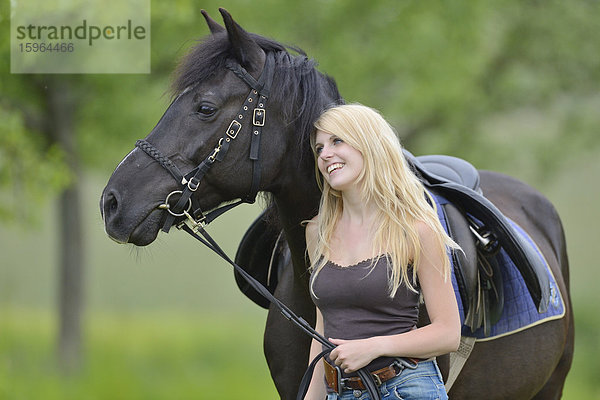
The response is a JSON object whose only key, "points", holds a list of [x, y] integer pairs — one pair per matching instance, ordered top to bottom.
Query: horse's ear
{"points": [[212, 24], [246, 51]]}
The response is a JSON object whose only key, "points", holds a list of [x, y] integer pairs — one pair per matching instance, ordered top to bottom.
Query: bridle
{"points": [[254, 109], [195, 219]]}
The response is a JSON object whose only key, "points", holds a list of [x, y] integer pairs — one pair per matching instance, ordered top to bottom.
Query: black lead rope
{"points": [[300, 322]]}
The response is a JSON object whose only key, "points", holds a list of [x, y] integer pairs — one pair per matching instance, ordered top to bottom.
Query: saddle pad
{"points": [[519, 311]]}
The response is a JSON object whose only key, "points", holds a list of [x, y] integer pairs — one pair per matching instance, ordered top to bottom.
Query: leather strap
{"points": [[255, 107], [161, 159], [366, 377], [334, 380]]}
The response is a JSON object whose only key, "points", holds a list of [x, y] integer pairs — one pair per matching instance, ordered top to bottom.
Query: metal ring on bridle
{"points": [[167, 206]]}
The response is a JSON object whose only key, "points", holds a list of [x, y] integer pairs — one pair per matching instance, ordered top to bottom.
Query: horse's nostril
{"points": [[111, 204]]}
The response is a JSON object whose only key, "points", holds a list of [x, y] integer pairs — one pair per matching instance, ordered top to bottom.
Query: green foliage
{"points": [[470, 78], [28, 169]]}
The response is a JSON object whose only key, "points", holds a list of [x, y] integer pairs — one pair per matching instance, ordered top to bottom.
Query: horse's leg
{"points": [[286, 346]]}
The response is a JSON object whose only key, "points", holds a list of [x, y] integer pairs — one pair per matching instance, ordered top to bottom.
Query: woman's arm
{"points": [[440, 337]]}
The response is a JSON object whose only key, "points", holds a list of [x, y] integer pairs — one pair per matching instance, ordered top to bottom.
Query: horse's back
{"points": [[533, 212]]}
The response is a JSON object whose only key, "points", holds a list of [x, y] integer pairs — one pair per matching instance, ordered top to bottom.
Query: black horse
{"points": [[212, 92]]}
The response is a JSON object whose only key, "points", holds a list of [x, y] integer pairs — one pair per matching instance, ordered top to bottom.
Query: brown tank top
{"points": [[356, 304]]}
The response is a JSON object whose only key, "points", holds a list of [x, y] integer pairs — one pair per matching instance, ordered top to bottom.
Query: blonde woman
{"points": [[375, 247]]}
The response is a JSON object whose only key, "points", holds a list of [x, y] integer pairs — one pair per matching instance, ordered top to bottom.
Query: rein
{"points": [[195, 219]]}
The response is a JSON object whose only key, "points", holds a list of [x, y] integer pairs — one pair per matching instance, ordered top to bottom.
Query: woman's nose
{"points": [[325, 153]]}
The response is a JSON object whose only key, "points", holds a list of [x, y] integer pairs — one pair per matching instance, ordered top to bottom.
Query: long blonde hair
{"points": [[388, 182]]}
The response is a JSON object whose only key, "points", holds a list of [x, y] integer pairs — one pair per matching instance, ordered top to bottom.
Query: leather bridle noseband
{"points": [[254, 106], [195, 219]]}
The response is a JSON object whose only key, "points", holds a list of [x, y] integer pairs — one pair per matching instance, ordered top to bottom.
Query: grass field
{"points": [[167, 322], [142, 357]]}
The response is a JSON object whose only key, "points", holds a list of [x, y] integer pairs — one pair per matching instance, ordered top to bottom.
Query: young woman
{"points": [[375, 247]]}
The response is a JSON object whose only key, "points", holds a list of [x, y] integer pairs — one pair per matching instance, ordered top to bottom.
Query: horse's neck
{"points": [[298, 199], [297, 202]]}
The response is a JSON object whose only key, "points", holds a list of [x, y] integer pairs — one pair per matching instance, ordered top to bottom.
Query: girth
{"points": [[254, 109]]}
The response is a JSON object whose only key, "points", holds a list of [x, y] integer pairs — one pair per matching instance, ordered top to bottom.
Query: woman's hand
{"points": [[352, 355]]}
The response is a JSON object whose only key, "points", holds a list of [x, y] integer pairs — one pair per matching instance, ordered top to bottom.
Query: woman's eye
{"points": [[206, 110], [337, 140], [318, 149]]}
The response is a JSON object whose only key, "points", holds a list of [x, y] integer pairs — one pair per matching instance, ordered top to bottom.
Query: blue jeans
{"points": [[424, 382]]}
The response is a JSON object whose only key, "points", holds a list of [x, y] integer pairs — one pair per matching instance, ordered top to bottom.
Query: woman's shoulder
{"points": [[311, 224], [311, 232], [425, 232]]}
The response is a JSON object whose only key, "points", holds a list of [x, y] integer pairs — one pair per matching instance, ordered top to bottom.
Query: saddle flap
{"points": [[521, 252], [263, 253], [465, 261], [478, 275]]}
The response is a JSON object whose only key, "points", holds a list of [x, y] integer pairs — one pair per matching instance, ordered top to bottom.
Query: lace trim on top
{"points": [[368, 260]]}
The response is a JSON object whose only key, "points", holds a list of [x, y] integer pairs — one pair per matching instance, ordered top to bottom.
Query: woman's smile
{"points": [[339, 163], [334, 167]]}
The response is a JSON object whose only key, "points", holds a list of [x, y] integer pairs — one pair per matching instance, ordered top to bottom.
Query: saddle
{"points": [[472, 221], [489, 226], [263, 253], [478, 275]]}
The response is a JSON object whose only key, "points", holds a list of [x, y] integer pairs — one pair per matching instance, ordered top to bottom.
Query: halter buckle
{"points": [[259, 117], [234, 129], [193, 184]]}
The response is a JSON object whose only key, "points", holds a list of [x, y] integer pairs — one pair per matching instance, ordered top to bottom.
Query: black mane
{"points": [[298, 86]]}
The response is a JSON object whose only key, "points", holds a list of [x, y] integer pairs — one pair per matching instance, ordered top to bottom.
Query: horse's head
{"points": [[216, 121]]}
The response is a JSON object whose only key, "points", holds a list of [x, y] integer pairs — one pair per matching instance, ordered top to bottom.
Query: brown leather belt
{"points": [[338, 384]]}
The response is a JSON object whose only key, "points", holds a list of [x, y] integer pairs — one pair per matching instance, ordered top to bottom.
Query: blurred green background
{"points": [[510, 85]]}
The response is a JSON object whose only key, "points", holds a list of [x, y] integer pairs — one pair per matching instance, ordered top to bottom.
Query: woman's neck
{"points": [[356, 212]]}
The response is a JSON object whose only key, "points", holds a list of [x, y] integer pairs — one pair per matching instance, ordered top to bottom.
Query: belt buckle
{"points": [[401, 364], [377, 379], [341, 382]]}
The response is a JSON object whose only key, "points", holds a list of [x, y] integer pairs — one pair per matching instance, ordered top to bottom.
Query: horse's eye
{"points": [[206, 110]]}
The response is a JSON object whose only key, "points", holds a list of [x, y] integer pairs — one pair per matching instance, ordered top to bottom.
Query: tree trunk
{"points": [[61, 102], [71, 270]]}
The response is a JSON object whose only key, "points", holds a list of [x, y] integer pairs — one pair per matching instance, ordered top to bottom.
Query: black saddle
{"points": [[449, 168], [473, 222], [491, 228], [263, 253], [476, 271]]}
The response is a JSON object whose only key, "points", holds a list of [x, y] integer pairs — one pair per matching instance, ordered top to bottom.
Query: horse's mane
{"points": [[301, 90]]}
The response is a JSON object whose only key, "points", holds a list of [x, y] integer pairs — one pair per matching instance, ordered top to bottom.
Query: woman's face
{"points": [[339, 163]]}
